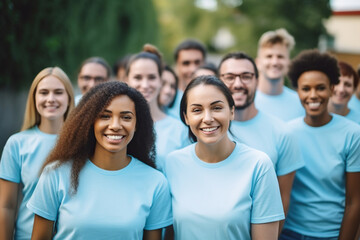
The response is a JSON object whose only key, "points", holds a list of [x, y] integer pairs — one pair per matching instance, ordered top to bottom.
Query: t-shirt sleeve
{"points": [[353, 156], [290, 158], [10, 164], [45, 200], [267, 205], [161, 211]]}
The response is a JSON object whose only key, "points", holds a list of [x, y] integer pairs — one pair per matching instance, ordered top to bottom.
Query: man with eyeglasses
{"points": [[273, 59], [92, 71], [256, 128]]}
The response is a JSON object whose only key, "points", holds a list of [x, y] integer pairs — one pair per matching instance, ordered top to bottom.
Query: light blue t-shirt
{"points": [[354, 103], [285, 106], [174, 111], [354, 116], [171, 134], [272, 136], [21, 160], [318, 195], [220, 201], [108, 204]]}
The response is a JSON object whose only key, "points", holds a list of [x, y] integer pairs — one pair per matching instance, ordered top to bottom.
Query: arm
{"points": [[285, 185], [8, 208], [351, 219], [42, 229], [265, 231], [169, 233], [152, 234]]}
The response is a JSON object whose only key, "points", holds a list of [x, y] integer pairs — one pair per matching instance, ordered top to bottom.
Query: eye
{"points": [[186, 63], [138, 77], [152, 77], [347, 84], [321, 88], [305, 89], [43, 92], [59, 92], [217, 108], [196, 110], [104, 116], [127, 117]]}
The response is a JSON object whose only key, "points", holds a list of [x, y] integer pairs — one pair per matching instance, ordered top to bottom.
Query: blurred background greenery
{"points": [[39, 33]]}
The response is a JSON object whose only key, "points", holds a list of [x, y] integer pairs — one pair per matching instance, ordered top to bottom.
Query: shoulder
{"points": [[290, 92], [180, 156], [255, 157], [57, 169], [146, 171]]}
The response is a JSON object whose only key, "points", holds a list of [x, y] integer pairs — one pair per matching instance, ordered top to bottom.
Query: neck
{"points": [[182, 85], [270, 86], [340, 109], [155, 111], [246, 114], [318, 121], [51, 126], [215, 153], [109, 160]]}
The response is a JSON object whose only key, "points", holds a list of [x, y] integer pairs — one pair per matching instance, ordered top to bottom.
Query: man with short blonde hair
{"points": [[273, 59]]}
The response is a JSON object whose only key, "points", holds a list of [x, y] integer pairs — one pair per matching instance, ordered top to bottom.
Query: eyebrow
{"points": [[213, 103], [123, 112]]}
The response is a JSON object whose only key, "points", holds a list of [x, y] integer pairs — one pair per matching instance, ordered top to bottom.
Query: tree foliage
{"points": [[247, 20], [40, 33]]}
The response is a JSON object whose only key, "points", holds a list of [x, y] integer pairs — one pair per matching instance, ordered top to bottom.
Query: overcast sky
{"points": [[345, 5]]}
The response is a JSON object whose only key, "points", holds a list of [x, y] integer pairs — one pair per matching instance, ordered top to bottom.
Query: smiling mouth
{"points": [[314, 105], [209, 129], [114, 137]]}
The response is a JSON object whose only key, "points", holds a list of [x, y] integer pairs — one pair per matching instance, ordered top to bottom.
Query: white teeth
{"points": [[314, 104], [209, 129], [114, 137]]}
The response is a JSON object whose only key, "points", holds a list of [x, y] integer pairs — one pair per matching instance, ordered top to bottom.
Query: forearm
{"points": [[7, 223], [350, 223]]}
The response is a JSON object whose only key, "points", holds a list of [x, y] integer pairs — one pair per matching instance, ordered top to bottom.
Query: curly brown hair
{"points": [[76, 142]]}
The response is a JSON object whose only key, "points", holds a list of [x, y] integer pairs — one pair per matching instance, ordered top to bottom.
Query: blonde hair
{"points": [[278, 36], [32, 116]]}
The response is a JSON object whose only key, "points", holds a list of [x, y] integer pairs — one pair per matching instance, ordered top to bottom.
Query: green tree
{"points": [[247, 20], [40, 33]]}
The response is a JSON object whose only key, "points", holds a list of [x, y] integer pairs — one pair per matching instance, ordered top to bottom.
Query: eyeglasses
{"points": [[88, 78], [245, 78]]}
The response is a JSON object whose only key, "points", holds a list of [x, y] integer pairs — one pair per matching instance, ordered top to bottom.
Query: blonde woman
{"points": [[49, 102]]}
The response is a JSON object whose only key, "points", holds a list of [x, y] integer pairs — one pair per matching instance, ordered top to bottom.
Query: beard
{"points": [[249, 100]]}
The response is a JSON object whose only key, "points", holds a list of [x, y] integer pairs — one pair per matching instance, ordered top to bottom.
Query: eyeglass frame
{"points": [[240, 77], [96, 79]]}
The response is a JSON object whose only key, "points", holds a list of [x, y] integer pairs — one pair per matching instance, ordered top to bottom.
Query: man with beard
{"points": [[273, 59], [256, 128]]}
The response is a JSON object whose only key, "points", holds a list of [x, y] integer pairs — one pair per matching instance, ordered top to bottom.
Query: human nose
{"points": [[238, 81], [91, 83], [144, 83], [340, 87], [313, 93], [51, 97], [208, 116], [115, 124]]}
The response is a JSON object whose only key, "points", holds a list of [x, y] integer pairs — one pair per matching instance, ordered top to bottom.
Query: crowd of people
{"points": [[190, 151]]}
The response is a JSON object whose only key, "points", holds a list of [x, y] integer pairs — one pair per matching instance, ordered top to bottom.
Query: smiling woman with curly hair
{"points": [[100, 181]]}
